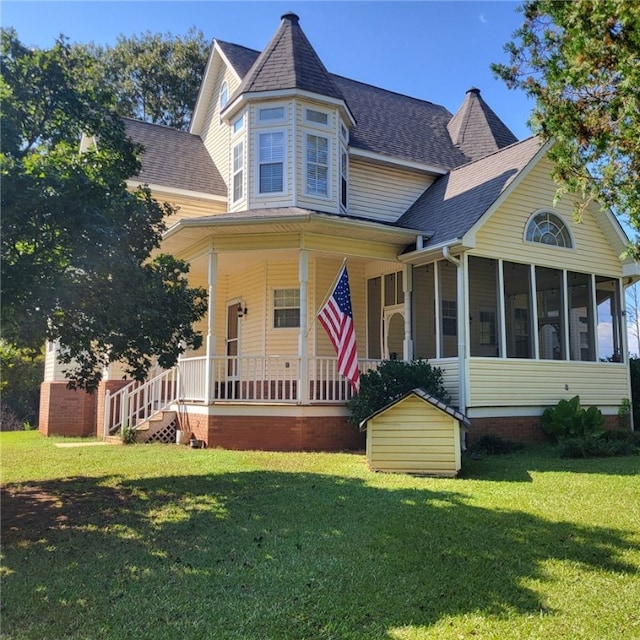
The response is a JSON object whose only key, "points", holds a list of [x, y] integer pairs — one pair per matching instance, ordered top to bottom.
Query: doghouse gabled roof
{"points": [[427, 397]]}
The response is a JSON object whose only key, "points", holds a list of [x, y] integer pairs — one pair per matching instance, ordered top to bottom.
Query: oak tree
{"points": [[79, 249]]}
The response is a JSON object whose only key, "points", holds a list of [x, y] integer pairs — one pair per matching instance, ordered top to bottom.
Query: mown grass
{"points": [[165, 542]]}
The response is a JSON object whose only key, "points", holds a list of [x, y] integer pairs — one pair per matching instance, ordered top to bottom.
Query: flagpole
{"points": [[329, 294]]}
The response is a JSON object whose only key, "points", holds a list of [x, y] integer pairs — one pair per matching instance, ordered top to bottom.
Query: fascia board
{"points": [[231, 109], [378, 158], [159, 188]]}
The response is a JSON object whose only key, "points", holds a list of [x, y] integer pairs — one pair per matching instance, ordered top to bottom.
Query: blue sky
{"points": [[430, 50]]}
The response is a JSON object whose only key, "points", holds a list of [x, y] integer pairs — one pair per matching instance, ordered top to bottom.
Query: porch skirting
{"points": [[269, 428], [525, 429]]}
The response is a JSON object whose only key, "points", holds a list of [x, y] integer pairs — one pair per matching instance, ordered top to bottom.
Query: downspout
{"points": [[462, 315]]}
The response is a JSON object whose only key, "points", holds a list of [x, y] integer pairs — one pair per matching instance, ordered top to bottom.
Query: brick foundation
{"points": [[64, 412], [519, 428], [268, 433]]}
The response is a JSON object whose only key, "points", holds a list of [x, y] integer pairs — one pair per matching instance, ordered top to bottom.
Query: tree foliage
{"points": [[579, 60], [156, 77], [76, 244], [390, 381]]}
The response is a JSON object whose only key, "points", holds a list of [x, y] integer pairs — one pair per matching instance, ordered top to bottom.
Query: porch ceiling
{"points": [[187, 234]]}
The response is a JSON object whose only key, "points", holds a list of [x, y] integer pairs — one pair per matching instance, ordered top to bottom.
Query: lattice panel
{"points": [[166, 435]]}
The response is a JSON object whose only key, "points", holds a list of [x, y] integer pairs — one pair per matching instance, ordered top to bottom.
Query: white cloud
{"points": [[483, 19]]}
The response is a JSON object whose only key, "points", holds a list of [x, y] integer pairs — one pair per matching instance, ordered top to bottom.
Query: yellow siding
{"points": [[216, 134], [383, 193], [189, 207], [503, 234], [280, 275], [249, 286], [511, 383], [413, 436]]}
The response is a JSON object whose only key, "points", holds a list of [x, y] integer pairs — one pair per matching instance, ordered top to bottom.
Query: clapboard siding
{"points": [[216, 134], [382, 193], [189, 207], [503, 233], [280, 274], [248, 285], [449, 369], [511, 383]]}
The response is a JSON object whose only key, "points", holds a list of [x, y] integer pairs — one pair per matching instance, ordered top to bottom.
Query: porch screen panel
{"points": [[448, 283], [483, 307], [517, 308], [550, 314], [374, 318], [609, 319], [581, 325], [424, 326]]}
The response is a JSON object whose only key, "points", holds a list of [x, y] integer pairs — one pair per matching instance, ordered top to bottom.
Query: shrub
{"points": [[390, 381], [568, 420], [128, 434], [492, 445], [603, 446]]}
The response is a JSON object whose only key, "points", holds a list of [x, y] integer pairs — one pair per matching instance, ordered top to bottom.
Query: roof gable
{"points": [[174, 158], [454, 203], [429, 399]]}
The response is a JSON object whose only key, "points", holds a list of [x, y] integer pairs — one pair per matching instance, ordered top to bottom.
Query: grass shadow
{"points": [[261, 555]]}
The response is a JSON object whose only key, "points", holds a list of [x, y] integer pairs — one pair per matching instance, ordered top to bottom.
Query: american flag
{"points": [[337, 319]]}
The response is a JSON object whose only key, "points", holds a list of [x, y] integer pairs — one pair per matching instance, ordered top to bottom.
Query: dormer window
{"points": [[224, 94], [547, 228]]}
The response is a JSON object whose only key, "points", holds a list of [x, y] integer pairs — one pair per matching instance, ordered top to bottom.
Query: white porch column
{"points": [[212, 277], [407, 287], [303, 369]]}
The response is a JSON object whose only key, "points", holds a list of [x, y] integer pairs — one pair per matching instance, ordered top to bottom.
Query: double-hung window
{"points": [[271, 154], [317, 165], [238, 171], [286, 308]]}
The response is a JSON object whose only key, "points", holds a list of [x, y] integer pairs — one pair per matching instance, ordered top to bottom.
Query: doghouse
{"points": [[416, 433]]}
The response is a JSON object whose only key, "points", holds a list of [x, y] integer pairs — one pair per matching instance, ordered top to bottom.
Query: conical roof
{"points": [[289, 62], [476, 130]]}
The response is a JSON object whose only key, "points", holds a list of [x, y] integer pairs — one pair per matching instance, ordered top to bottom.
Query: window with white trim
{"points": [[224, 94], [271, 114], [316, 117], [238, 124], [271, 158], [317, 165], [238, 171], [344, 177], [547, 228], [286, 308]]}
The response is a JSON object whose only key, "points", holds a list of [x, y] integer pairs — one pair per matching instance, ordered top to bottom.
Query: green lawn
{"points": [[165, 542]]}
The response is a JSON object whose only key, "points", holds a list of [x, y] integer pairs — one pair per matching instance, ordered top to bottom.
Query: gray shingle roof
{"points": [[288, 62], [476, 130], [174, 158], [456, 201]]}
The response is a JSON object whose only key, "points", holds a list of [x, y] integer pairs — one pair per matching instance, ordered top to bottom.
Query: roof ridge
{"points": [[493, 153]]}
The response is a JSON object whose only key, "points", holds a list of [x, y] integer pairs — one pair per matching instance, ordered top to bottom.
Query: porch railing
{"points": [[260, 379], [137, 402]]}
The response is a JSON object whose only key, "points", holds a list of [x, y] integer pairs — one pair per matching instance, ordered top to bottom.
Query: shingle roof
{"points": [[288, 62], [387, 123], [476, 130], [175, 158], [456, 201], [427, 397]]}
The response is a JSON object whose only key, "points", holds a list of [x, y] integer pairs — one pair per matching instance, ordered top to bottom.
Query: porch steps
{"points": [[160, 427]]}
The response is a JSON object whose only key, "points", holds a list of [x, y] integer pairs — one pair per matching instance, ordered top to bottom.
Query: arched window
{"points": [[224, 95], [547, 228]]}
